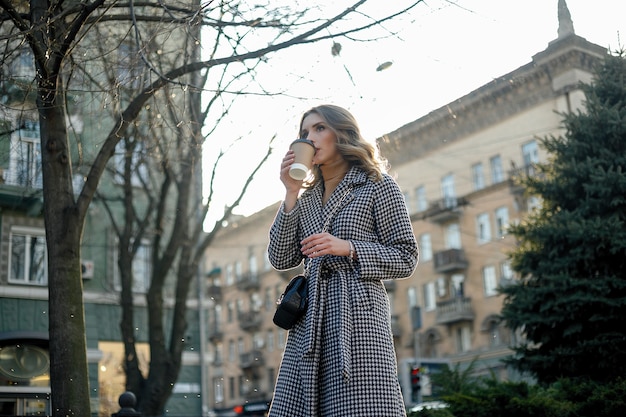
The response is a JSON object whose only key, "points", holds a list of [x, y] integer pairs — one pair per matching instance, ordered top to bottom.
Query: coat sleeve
{"points": [[285, 235], [395, 255]]}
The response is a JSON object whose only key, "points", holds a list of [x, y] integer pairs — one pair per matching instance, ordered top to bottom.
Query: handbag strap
{"points": [[332, 214]]}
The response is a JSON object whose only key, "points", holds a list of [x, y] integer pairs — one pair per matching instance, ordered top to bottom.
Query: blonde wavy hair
{"points": [[357, 151]]}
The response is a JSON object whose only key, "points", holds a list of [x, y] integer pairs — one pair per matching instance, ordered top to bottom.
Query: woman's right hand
{"points": [[290, 184], [292, 187]]}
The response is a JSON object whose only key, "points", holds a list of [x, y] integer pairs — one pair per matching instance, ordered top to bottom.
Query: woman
{"points": [[339, 359]]}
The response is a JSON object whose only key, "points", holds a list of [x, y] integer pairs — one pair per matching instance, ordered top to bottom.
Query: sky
{"points": [[441, 51]]}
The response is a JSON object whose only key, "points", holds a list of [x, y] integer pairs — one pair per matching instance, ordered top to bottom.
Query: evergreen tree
{"points": [[571, 301]]}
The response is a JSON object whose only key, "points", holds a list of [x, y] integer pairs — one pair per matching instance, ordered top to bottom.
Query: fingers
{"points": [[290, 183], [321, 244]]}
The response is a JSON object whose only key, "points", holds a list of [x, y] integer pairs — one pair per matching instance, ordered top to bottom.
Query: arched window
{"points": [[429, 343]]}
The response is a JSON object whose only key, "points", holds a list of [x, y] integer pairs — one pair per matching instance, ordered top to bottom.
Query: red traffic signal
{"points": [[415, 378]]}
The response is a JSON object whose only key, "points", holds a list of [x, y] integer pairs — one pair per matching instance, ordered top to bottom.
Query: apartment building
{"points": [[106, 54], [457, 167]]}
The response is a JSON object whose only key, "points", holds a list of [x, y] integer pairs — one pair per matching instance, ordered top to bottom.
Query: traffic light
{"points": [[415, 383]]}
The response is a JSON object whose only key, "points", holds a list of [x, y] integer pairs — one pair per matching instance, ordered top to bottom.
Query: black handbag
{"points": [[292, 303]]}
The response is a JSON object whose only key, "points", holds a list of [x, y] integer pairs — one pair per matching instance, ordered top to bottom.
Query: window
{"points": [[24, 66], [129, 68], [136, 151], [530, 155], [25, 156], [497, 176], [478, 177], [447, 191], [420, 198], [534, 203], [502, 221], [483, 230], [453, 236], [425, 248], [266, 261], [27, 264], [252, 265], [238, 271], [506, 272], [230, 276], [458, 282], [490, 283], [441, 287], [429, 296], [412, 297], [255, 302], [270, 303], [239, 308], [230, 311], [217, 315], [282, 338], [463, 339], [270, 340], [258, 341], [231, 351], [218, 353], [271, 377], [231, 387], [218, 389]]}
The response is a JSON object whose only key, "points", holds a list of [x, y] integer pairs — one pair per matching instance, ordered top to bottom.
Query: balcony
{"points": [[517, 174], [17, 197], [444, 210], [449, 260], [248, 281], [214, 292], [455, 310], [250, 320], [214, 332], [252, 359], [253, 391]]}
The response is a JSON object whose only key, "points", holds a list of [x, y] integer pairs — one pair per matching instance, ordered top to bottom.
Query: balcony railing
{"points": [[517, 174], [22, 178], [446, 209], [449, 260], [248, 281], [214, 292], [455, 310], [250, 320], [214, 331], [252, 359], [253, 391]]}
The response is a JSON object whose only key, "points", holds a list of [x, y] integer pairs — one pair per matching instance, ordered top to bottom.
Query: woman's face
{"points": [[317, 131]]}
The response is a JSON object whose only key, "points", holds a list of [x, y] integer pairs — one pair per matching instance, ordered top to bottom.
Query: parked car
{"points": [[429, 405]]}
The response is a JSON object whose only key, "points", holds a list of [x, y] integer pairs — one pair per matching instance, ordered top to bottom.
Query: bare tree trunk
{"points": [[64, 226]]}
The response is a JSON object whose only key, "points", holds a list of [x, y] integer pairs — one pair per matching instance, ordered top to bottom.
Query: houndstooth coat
{"points": [[339, 359]]}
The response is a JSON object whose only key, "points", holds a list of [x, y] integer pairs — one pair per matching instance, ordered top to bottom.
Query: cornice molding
{"points": [[500, 99]]}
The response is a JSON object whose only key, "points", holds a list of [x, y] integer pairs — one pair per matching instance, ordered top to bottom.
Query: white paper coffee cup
{"points": [[304, 151]]}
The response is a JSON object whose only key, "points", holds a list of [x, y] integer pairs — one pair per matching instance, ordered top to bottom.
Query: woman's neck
{"points": [[332, 176]]}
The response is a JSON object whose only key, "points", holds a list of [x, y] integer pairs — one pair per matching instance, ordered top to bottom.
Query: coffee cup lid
{"points": [[302, 140]]}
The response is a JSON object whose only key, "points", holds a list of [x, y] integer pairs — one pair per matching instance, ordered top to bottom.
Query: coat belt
{"points": [[314, 317]]}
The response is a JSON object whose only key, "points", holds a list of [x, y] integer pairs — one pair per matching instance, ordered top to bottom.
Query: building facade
{"points": [[111, 58], [457, 167]]}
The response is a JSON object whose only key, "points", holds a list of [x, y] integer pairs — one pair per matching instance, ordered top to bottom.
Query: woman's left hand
{"points": [[321, 244]]}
